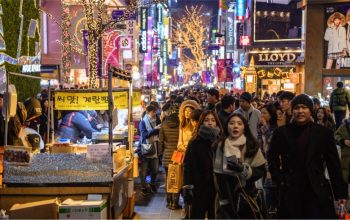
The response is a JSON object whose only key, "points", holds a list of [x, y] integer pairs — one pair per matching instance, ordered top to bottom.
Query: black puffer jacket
{"points": [[168, 137]]}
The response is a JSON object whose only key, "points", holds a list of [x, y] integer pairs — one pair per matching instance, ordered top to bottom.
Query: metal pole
{"points": [[225, 59], [100, 60], [6, 107], [110, 109], [48, 116], [130, 125]]}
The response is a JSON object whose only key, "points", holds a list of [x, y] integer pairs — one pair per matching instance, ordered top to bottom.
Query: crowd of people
{"points": [[246, 157]]}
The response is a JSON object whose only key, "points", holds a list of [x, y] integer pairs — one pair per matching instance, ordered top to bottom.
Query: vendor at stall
{"points": [[26, 112], [75, 124]]}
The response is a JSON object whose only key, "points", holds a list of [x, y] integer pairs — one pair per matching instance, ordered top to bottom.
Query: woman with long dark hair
{"points": [[322, 117], [266, 128], [238, 163], [199, 191]]}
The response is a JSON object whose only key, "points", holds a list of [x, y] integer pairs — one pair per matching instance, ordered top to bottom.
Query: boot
{"points": [[169, 201], [175, 201]]}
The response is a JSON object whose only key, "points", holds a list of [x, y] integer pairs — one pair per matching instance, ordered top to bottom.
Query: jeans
{"points": [[339, 117], [152, 165]]}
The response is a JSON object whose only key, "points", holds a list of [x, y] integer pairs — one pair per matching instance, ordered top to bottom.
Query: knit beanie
{"points": [[246, 96], [303, 99]]}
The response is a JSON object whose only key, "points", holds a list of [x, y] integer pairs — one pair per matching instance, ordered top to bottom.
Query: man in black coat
{"points": [[296, 159]]}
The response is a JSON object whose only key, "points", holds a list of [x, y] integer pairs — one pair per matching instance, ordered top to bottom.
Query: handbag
{"points": [[148, 150]]}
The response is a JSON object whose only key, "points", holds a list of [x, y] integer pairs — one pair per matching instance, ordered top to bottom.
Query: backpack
{"points": [[340, 99]]}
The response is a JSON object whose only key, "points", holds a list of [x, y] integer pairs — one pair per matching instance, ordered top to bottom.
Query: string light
{"points": [[66, 39]]}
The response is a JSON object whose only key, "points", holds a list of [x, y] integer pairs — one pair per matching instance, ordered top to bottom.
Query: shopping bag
{"points": [[178, 157], [174, 178], [342, 213]]}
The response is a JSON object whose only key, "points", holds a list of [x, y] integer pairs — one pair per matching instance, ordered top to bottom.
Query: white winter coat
{"points": [[336, 38]]}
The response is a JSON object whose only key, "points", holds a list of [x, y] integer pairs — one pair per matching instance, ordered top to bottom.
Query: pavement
{"points": [[153, 206]]}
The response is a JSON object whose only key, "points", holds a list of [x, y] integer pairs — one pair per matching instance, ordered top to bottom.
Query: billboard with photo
{"points": [[277, 22], [337, 36]]}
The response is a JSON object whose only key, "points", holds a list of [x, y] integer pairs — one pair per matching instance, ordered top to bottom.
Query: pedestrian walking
{"points": [[213, 97], [284, 100], [339, 102], [227, 108], [251, 114], [324, 118], [186, 127], [266, 128], [342, 137], [168, 138], [147, 149], [297, 157], [238, 163], [199, 191]]}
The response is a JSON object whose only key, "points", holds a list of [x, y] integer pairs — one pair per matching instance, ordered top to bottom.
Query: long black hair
{"points": [[271, 109], [252, 145]]}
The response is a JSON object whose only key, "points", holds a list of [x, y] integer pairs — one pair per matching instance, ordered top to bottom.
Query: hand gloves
{"points": [[242, 169], [187, 194]]}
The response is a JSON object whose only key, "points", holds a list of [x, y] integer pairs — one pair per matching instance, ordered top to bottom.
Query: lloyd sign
{"points": [[274, 59]]}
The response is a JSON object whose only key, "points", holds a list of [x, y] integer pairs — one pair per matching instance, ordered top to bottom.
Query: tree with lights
{"points": [[95, 11], [189, 33]]}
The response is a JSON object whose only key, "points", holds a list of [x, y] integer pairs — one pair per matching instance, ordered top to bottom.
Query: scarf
{"points": [[149, 122], [208, 133], [233, 147]]}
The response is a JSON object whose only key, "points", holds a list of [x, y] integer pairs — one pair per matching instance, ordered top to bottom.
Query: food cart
{"points": [[79, 171]]}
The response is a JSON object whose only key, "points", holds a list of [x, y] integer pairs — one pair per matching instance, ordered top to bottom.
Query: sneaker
{"points": [[153, 188], [144, 192], [168, 205]]}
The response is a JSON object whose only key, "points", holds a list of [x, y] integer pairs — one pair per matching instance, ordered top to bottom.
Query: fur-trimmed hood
{"points": [[187, 103]]}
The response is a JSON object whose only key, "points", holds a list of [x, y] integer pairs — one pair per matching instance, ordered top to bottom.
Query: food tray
{"points": [[17, 155]]}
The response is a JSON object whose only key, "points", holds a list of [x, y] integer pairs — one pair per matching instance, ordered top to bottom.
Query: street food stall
{"points": [[74, 172]]}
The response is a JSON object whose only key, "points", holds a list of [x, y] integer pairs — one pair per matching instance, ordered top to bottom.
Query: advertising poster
{"points": [[276, 22], [337, 36], [220, 68]]}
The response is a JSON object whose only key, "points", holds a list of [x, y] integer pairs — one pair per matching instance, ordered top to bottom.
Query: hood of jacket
{"points": [[187, 103], [33, 108], [173, 120]]}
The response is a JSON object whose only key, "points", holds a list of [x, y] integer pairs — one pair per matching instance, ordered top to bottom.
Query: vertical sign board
{"points": [[240, 10], [143, 30], [240, 32], [230, 33], [165, 55]]}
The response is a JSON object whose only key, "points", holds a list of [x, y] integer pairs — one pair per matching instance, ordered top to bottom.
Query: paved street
{"points": [[154, 205]]}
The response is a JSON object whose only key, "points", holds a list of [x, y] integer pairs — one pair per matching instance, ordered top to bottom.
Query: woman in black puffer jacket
{"points": [[168, 137]]}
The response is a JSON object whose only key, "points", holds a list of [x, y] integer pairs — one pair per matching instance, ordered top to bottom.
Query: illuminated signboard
{"points": [[240, 10], [143, 29], [230, 39], [244, 40]]}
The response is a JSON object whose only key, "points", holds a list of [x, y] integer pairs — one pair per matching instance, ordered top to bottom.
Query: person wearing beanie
{"points": [[251, 114], [296, 159]]}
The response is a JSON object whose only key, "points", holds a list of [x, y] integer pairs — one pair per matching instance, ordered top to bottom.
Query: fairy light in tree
{"points": [[94, 11], [66, 39]]}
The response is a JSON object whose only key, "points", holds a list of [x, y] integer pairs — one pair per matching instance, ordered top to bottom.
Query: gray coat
{"points": [[168, 137]]}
